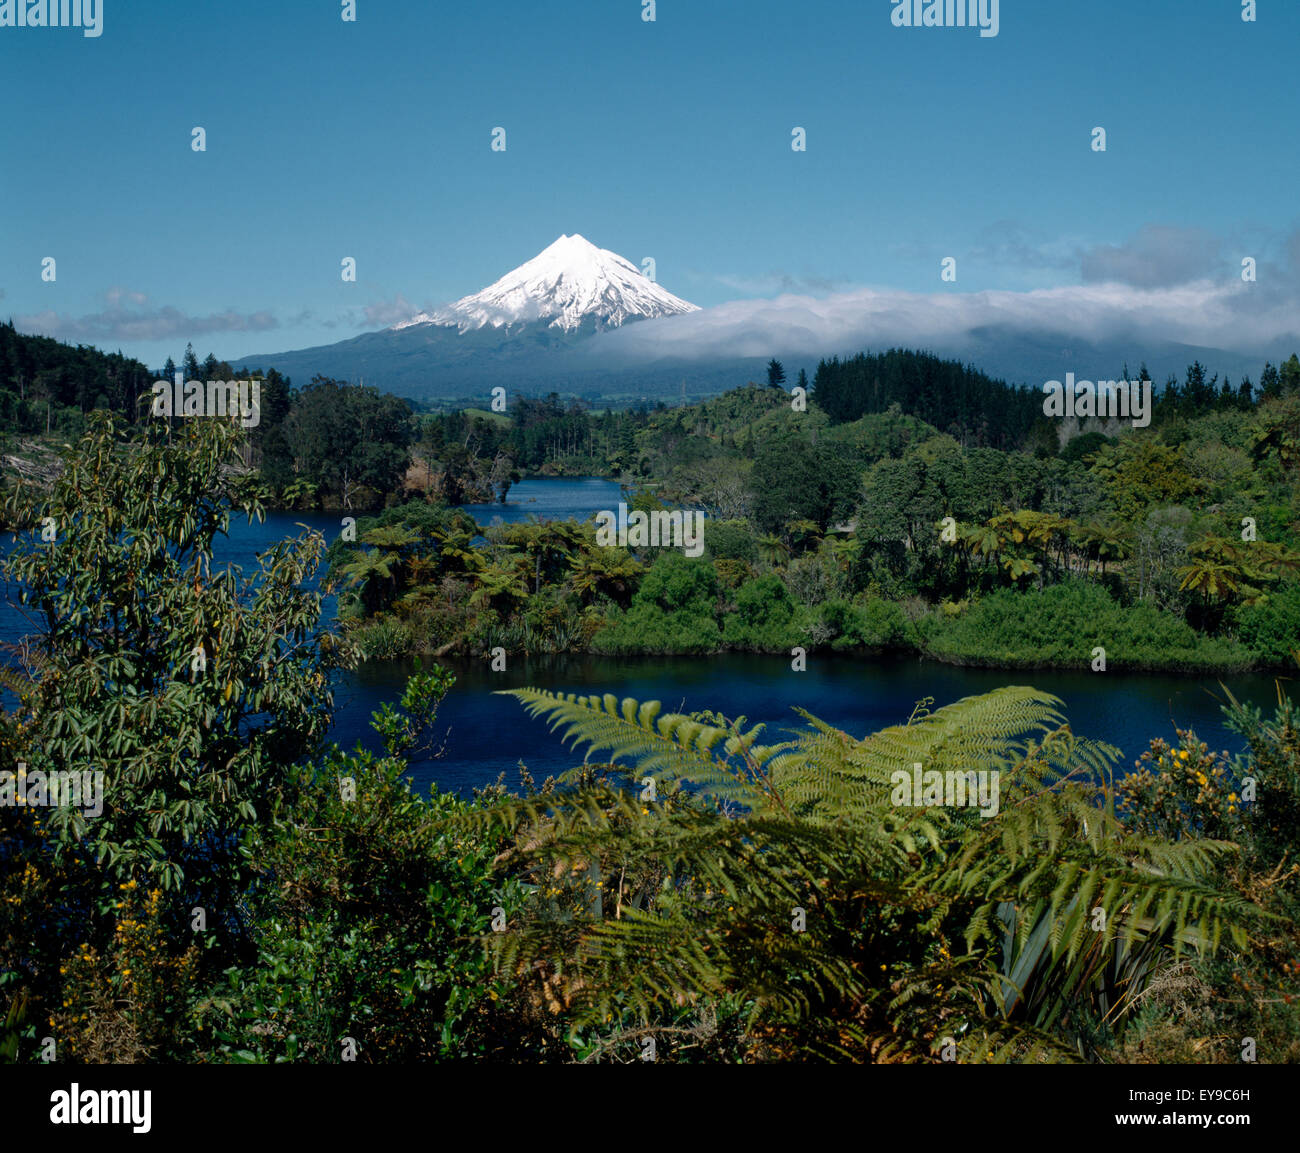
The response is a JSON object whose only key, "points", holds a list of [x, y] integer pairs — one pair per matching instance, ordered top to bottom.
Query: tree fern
{"points": [[647, 908]]}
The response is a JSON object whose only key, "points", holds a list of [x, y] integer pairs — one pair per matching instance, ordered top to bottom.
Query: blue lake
{"points": [[551, 499], [484, 734]]}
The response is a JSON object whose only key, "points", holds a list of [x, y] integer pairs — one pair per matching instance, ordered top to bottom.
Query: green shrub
{"points": [[730, 540], [674, 611], [764, 617], [872, 623], [1061, 625], [650, 629], [1271, 629], [383, 639], [374, 926]]}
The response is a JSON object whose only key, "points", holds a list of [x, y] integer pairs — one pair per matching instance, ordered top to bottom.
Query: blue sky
{"points": [[669, 139]]}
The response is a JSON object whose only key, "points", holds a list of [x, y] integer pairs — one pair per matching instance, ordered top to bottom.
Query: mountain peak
{"points": [[566, 243], [567, 282]]}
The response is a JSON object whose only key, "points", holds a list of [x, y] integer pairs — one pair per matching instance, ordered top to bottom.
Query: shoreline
{"points": [[862, 655]]}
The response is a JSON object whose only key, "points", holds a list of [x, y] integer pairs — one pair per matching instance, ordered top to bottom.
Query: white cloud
{"points": [[1158, 256], [385, 313], [1222, 314], [125, 317]]}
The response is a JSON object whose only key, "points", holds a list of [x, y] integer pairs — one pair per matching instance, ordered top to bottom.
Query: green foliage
{"points": [[46, 384], [940, 392], [881, 434], [354, 441], [1081, 447], [1141, 473], [795, 480], [729, 540], [674, 611], [764, 617], [871, 624], [1060, 626], [1270, 627], [384, 639], [190, 689], [1182, 792], [1273, 820], [690, 897], [769, 899], [374, 926], [1199, 1012]]}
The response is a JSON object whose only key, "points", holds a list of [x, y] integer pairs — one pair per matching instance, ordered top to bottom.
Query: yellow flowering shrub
{"points": [[1182, 790], [130, 1001]]}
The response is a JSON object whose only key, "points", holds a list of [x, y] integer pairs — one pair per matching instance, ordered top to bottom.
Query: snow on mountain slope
{"points": [[564, 283]]}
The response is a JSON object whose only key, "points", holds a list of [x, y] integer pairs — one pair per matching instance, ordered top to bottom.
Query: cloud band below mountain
{"points": [[1238, 316]]}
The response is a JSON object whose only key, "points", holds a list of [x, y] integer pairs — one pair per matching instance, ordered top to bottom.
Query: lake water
{"points": [[551, 499], [485, 734]]}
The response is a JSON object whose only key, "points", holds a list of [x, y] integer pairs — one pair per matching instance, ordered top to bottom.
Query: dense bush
{"points": [[729, 540], [674, 611], [764, 617], [871, 624], [1061, 625], [1271, 628], [371, 926], [1203, 1012]]}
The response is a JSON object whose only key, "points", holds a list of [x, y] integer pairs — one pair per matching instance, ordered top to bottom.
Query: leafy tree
{"points": [[1289, 375], [951, 396], [354, 441], [1084, 445], [1141, 473], [795, 480], [729, 539], [550, 545], [772, 550], [380, 571], [371, 572], [609, 572], [499, 584], [674, 610], [1270, 628], [190, 689]]}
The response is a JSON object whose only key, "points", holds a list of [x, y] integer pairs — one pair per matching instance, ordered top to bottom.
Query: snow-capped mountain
{"points": [[566, 283], [558, 323], [538, 329]]}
